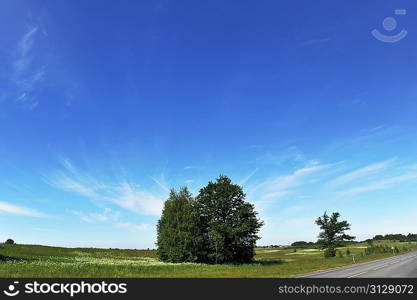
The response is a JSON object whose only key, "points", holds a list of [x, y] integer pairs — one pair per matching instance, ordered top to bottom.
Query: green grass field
{"points": [[42, 261]]}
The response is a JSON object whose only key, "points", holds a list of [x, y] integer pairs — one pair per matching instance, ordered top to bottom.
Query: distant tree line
{"points": [[217, 226], [387, 237], [395, 237], [303, 244], [273, 246]]}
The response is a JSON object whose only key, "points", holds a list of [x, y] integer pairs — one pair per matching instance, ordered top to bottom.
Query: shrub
{"points": [[9, 242], [384, 249], [330, 252], [347, 252], [339, 253]]}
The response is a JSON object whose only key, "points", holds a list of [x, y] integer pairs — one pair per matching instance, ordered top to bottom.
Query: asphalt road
{"points": [[404, 265]]}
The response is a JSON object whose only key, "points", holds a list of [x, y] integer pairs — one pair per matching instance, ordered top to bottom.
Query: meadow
{"points": [[44, 261]]}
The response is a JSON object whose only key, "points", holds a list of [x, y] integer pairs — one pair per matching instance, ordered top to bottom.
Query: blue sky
{"points": [[105, 105]]}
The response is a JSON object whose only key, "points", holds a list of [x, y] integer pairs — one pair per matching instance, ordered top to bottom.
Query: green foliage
{"points": [[229, 224], [217, 227], [178, 229], [333, 233], [396, 237], [9, 241], [303, 244], [384, 249], [330, 252], [347, 252], [339, 254]]}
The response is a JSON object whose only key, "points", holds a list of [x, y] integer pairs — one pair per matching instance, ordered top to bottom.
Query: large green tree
{"points": [[229, 224], [333, 233], [179, 238]]}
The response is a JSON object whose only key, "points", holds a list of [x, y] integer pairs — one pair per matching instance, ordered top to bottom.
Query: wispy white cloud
{"points": [[26, 42], [24, 47], [27, 73], [21, 98], [373, 129], [365, 137], [292, 153], [67, 164], [190, 167], [361, 173], [249, 176], [189, 181], [161, 183], [382, 184], [283, 185], [83, 186], [122, 193], [275, 195], [133, 199], [21, 210], [105, 216], [110, 216], [133, 227]]}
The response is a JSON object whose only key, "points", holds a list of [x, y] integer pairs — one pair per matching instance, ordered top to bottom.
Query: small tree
{"points": [[178, 230], [333, 233], [9, 241]]}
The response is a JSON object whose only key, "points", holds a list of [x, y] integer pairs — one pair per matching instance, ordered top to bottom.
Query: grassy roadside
{"points": [[42, 261]]}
